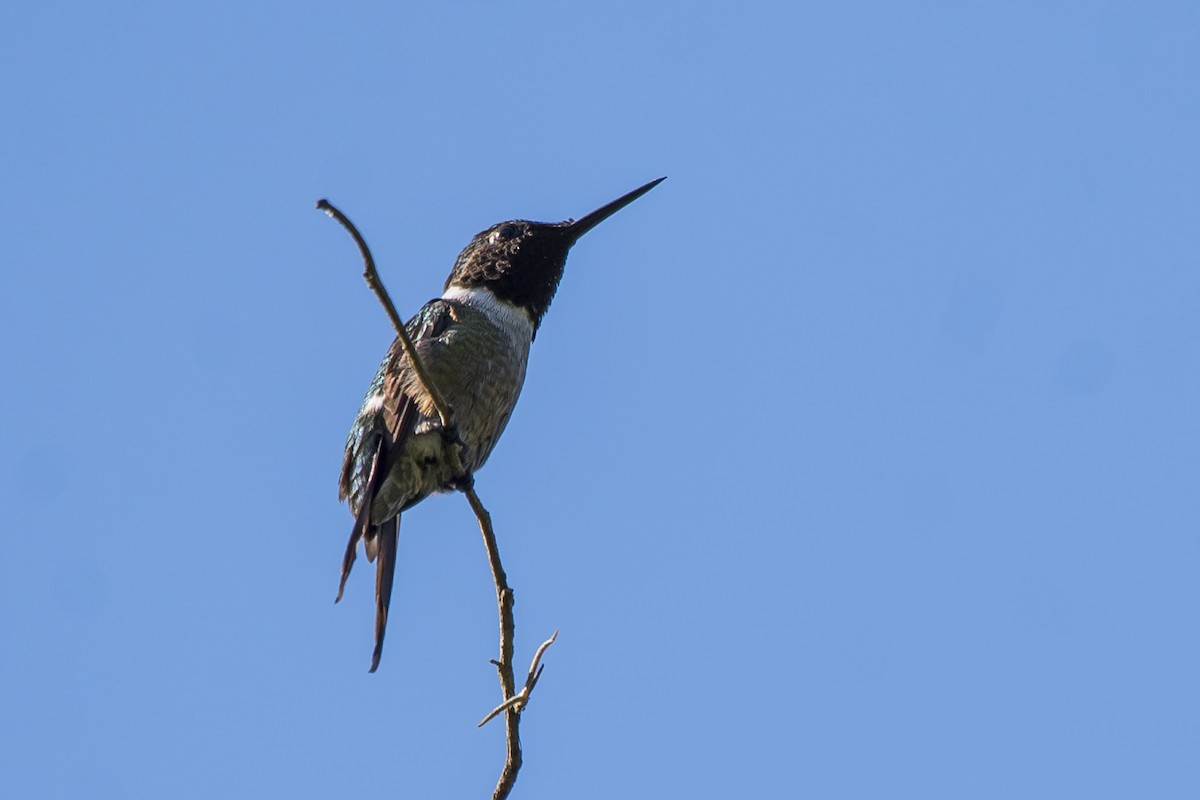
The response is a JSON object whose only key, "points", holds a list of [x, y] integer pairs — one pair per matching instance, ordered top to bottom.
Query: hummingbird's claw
{"points": [[450, 436]]}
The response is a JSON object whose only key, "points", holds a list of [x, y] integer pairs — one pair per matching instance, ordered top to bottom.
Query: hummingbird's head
{"points": [[521, 262]]}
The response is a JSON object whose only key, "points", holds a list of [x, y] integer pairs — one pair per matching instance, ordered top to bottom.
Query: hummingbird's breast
{"points": [[478, 364]]}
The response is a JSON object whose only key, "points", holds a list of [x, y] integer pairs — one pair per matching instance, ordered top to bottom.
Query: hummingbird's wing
{"points": [[386, 419]]}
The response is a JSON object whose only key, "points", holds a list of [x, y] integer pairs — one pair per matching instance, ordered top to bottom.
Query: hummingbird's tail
{"points": [[362, 517], [379, 541], [385, 570]]}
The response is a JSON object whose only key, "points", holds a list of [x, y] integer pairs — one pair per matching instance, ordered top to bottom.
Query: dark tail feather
{"points": [[362, 520], [361, 523], [385, 568]]}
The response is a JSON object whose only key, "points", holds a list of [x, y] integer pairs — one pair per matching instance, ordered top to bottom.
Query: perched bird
{"points": [[474, 344]]}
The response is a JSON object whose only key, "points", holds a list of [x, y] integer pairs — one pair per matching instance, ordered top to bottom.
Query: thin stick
{"points": [[371, 276], [504, 601], [513, 702]]}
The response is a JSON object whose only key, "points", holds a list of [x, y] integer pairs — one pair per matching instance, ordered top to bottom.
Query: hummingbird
{"points": [[474, 344]]}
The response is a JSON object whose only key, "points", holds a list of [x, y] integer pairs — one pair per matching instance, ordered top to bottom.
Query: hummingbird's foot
{"points": [[450, 436], [463, 482]]}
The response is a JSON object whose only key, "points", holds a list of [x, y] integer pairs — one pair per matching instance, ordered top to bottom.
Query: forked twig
{"points": [[521, 698], [513, 701]]}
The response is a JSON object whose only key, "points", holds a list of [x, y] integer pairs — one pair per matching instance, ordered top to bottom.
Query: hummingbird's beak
{"points": [[581, 226]]}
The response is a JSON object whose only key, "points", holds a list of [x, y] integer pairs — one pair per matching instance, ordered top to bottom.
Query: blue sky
{"points": [[858, 459]]}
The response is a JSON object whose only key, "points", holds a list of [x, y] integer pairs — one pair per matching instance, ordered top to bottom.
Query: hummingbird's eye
{"points": [[507, 232]]}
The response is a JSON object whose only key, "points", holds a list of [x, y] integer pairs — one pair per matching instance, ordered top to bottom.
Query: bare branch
{"points": [[371, 276], [504, 600], [513, 702]]}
